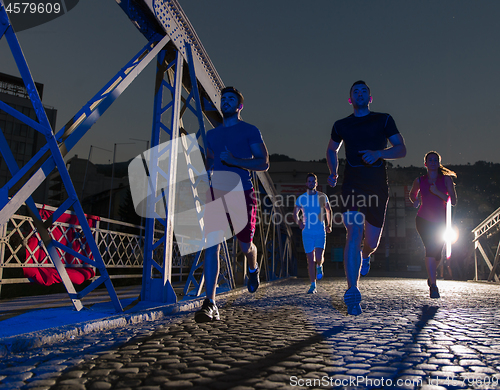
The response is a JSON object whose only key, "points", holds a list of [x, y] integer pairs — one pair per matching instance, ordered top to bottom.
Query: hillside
{"points": [[477, 185]]}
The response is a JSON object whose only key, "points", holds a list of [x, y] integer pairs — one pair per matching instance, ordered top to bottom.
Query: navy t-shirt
{"points": [[369, 132], [237, 139]]}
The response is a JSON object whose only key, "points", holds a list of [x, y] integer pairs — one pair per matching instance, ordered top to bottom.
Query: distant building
{"points": [[24, 141], [91, 186]]}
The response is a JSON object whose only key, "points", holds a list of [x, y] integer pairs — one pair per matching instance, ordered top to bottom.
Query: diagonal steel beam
{"points": [[27, 180]]}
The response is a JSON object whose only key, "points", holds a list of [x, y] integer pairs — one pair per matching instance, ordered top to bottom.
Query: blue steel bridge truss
{"points": [[188, 80]]}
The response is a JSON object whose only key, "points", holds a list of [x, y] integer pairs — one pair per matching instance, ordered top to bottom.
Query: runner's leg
{"points": [[371, 240], [250, 251], [352, 251], [319, 256], [311, 266], [211, 270]]}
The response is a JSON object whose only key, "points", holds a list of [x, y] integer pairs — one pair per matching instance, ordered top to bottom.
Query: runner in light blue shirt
{"points": [[313, 214]]}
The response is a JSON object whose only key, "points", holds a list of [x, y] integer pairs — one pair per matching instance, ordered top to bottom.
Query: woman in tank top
{"points": [[430, 193]]}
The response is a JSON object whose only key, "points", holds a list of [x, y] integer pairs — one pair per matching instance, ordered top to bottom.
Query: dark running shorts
{"points": [[365, 190], [372, 206], [216, 223], [431, 234], [246, 235]]}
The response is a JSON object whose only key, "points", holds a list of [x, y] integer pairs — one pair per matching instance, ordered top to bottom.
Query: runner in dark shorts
{"points": [[235, 147], [365, 191], [430, 193]]}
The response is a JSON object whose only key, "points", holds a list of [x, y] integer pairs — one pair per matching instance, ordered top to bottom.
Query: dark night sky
{"points": [[431, 64]]}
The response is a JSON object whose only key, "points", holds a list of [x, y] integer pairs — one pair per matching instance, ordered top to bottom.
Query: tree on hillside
{"points": [[276, 157]]}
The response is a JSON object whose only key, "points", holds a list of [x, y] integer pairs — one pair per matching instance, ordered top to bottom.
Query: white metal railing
{"points": [[480, 232], [21, 247]]}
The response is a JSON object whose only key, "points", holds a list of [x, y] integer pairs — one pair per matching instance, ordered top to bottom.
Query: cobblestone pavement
{"points": [[282, 337]]}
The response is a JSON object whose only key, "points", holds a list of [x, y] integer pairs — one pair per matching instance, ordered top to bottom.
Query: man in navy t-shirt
{"points": [[236, 147], [365, 191]]}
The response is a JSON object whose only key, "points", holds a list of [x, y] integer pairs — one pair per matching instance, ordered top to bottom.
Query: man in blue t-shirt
{"points": [[236, 147], [365, 191], [313, 214]]}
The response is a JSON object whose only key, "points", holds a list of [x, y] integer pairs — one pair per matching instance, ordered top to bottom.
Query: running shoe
{"points": [[365, 266], [319, 272], [253, 281], [312, 289], [434, 291], [352, 299], [207, 313]]}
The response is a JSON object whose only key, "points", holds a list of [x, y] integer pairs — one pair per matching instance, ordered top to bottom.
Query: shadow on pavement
{"points": [[250, 371]]}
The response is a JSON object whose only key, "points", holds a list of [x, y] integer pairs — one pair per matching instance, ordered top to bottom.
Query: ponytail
{"points": [[447, 172]]}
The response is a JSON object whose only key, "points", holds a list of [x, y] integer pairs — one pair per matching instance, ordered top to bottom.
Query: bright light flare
{"points": [[450, 234]]}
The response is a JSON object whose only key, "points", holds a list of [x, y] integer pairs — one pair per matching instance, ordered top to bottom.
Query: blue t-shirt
{"points": [[237, 139], [313, 208]]}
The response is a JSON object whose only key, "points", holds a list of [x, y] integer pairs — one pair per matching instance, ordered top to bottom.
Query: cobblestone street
{"points": [[282, 337]]}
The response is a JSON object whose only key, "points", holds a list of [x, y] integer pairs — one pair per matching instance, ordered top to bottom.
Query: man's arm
{"points": [[397, 150], [332, 158], [259, 162], [328, 211], [298, 221]]}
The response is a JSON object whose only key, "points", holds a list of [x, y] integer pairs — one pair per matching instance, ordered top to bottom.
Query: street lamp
{"points": [[143, 140], [113, 176]]}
